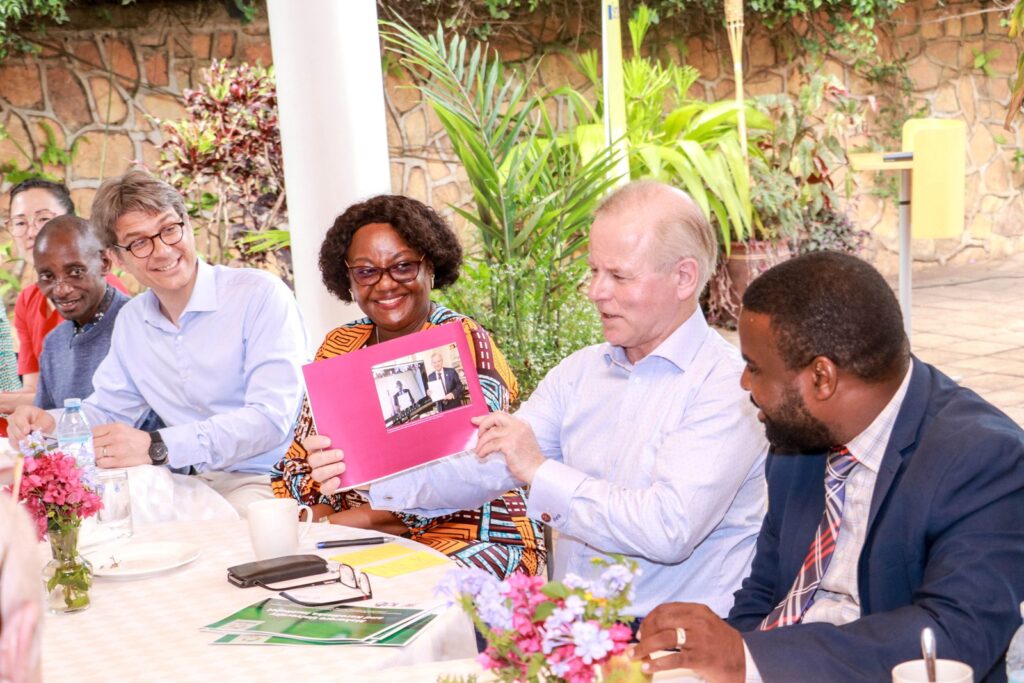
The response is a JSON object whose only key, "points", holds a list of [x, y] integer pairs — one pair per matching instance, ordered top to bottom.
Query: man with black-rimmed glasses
{"points": [[214, 351]]}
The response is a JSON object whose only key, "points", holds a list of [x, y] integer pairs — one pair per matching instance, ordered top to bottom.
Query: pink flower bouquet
{"points": [[53, 490], [58, 499], [556, 631]]}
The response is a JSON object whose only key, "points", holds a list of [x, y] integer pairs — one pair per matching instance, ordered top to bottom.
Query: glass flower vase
{"points": [[68, 576]]}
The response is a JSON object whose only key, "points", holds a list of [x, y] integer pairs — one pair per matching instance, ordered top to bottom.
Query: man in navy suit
{"points": [[451, 384], [922, 523]]}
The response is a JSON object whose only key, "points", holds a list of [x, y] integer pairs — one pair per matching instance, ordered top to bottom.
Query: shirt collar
{"points": [[204, 294], [203, 298], [679, 348], [868, 447]]}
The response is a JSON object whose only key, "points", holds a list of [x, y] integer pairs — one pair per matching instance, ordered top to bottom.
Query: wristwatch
{"points": [[157, 449]]}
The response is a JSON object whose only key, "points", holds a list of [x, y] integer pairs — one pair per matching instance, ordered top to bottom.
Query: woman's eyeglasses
{"points": [[21, 225], [401, 272], [345, 575]]}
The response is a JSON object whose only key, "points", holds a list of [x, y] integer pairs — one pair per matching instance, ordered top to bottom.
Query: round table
{"points": [[149, 628]]}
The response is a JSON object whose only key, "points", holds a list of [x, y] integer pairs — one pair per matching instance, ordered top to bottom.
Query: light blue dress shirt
{"points": [[226, 380], [662, 461]]}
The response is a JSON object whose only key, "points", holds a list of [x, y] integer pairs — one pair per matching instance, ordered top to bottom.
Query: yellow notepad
{"points": [[361, 558], [406, 564]]}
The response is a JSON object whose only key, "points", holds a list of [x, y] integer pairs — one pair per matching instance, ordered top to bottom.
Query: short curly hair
{"points": [[418, 224], [835, 305]]}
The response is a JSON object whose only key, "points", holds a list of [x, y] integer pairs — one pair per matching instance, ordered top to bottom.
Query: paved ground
{"points": [[969, 321]]}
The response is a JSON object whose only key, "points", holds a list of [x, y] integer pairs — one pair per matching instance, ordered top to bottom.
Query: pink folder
{"points": [[375, 403]]}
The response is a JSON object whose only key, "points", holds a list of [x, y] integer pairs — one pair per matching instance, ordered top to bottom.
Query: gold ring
{"points": [[104, 451], [680, 637]]}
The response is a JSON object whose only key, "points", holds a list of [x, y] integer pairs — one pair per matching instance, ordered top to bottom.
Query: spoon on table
{"points": [[928, 652]]}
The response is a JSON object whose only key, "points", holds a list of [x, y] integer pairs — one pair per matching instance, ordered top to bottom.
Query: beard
{"points": [[793, 429]]}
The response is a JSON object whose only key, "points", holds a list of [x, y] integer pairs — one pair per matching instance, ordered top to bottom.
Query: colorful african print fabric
{"points": [[9, 380], [497, 537]]}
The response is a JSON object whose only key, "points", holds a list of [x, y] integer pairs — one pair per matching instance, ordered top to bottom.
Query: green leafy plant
{"points": [[18, 17], [831, 22], [1015, 28], [982, 59], [680, 140], [51, 153], [225, 157], [793, 176], [793, 192], [534, 193], [830, 230], [10, 284]]}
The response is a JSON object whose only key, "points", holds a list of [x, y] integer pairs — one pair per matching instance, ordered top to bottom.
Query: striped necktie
{"points": [[792, 608]]}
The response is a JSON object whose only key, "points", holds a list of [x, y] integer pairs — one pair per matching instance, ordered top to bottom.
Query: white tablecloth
{"points": [[148, 629]]}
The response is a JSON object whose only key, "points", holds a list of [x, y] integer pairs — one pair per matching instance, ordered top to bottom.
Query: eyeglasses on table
{"points": [[344, 575]]}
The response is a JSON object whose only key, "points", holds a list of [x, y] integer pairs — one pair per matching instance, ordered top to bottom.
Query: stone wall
{"points": [[98, 80]]}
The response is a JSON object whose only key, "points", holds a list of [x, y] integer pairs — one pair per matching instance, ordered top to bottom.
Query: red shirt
{"points": [[34, 318]]}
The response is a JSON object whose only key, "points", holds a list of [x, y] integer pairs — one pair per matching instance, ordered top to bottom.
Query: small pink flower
{"points": [[52, 486], [621, 635], [485, 660]]}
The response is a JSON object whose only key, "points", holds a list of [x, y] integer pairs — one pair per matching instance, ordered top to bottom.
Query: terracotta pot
{"points": [[745, 262]]}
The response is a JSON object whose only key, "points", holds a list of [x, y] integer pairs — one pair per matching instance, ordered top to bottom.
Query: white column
{"points": [[330, 93]]}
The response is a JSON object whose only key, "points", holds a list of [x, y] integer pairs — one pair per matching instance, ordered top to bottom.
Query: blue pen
{"points": [[373, 540]]}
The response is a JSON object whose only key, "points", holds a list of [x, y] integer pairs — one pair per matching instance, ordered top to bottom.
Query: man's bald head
{"points": [[73, 228], [680, 229], [71, 264]]}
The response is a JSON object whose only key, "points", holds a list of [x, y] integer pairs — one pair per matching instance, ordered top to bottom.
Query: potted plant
{"points": [[672, 137], [792, 168], [534, 190]]}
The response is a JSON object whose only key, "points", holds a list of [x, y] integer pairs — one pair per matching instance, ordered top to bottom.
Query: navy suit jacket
{"points": [[453, 385], [944, 546]]}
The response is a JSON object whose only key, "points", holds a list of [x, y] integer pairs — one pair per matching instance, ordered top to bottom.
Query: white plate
{"points": [[136, 560]]}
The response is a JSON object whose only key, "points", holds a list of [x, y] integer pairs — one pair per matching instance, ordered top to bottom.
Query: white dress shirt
{"points": [[226, 380], [662, 461]]}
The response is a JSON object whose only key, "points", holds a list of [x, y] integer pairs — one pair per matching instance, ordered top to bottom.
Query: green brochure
{"points": [[344, 624], [398, 638]]}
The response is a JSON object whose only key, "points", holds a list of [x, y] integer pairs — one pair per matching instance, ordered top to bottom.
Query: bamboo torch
{"points": [[734, 27]]}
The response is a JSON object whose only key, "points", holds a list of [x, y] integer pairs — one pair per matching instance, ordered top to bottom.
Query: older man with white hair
{"points": [[645, 445]]}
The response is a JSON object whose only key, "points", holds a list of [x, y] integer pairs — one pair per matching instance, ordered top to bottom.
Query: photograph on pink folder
{"points": [[395, 406]]}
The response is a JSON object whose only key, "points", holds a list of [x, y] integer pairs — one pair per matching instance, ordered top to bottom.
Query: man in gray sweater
{"points": [[71, 263]]}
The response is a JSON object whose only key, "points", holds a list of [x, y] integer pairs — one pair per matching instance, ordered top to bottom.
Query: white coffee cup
{"points": [[274, 526], [946, 671]]}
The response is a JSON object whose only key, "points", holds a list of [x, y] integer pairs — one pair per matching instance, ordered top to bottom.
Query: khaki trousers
{"points": [[239, 488]]}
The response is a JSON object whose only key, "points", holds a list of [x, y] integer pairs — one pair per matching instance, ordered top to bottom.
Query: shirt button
{"points": [[546, 518]]}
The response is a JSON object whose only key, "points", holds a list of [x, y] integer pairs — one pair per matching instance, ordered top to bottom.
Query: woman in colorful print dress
{"points": [[387, 254]]}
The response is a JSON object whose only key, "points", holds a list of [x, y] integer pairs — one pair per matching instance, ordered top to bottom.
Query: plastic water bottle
{"points": [[74, 436], [1015, 655]]}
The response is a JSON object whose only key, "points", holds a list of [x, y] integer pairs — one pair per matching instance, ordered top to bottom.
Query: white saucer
{"points": [[137, 560]]}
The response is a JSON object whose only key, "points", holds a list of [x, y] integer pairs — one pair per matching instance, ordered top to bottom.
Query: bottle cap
{"points": [[72, 403]]}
